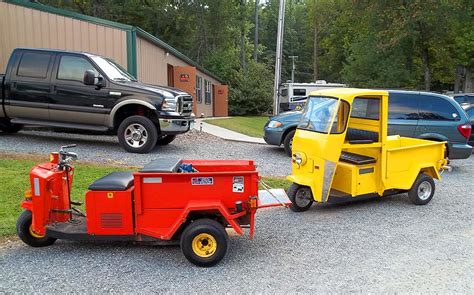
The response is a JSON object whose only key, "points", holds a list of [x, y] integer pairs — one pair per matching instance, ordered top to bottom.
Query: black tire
{"points": [[10, 128], [165, 139], [144, 142], [288, 142], [422, 190], [297, 194], [207, 228], [23, 230]]}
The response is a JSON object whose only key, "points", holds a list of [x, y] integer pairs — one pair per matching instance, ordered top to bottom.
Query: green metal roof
{"points": [[132, 33]]}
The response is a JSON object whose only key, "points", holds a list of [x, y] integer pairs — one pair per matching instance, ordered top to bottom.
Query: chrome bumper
{"points": [[175, 126]]}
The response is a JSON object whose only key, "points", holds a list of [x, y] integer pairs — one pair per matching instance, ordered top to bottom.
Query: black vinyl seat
{"points": [[359, 134], [356, 159], [115, 181]]}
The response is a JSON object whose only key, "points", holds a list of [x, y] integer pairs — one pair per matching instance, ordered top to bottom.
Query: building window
{"points": [[199, 89], [207, 92]]}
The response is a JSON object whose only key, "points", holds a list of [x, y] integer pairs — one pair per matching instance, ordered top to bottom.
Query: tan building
{"points": [[28, 24]]}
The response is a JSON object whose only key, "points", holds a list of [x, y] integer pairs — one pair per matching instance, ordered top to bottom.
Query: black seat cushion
{"points": [[359, 134], [356, 158], [163, 165], [115, 181]]}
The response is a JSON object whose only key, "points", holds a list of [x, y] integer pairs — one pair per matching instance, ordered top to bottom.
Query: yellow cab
{"points": [[341, 152]]}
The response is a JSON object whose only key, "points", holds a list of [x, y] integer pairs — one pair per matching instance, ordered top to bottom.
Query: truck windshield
{"points": [[113, 70], [317, 114]]}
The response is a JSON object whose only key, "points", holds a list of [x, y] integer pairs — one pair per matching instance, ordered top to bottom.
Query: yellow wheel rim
{"points": [[34, 235], [204, 245]]}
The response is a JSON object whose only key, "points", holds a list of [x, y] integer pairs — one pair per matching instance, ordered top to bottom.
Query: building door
{"points": [[170, 75], [185, 79], [220, 99]]}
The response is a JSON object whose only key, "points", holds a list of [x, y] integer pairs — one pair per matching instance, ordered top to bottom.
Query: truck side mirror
{"points": [[91, 79]]}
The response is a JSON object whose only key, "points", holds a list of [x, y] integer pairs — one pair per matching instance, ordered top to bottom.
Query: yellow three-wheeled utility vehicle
{"points": [[341, 151]]}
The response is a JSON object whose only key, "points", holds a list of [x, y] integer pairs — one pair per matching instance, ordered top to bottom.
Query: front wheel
{"points": [[137, 134], [165, 139], [288, 142], [422, 190], [301, 198], [26, 234], [204, 242]]}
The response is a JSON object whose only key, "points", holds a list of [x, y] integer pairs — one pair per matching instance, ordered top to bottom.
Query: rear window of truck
{"points": [[34, 65]]}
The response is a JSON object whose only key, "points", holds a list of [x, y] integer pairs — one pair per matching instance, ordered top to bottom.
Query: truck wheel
{"points": [[10, 128], [137, 134], [165, 139], [288, 142], [422, 190], [301, 198], [23, 229], [204, 242]]}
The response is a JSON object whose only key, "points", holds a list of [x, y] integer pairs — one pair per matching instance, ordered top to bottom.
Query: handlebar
{"points": [[66, 157]]}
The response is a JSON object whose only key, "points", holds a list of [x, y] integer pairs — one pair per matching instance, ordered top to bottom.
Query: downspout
{"points": [[132, 51]]}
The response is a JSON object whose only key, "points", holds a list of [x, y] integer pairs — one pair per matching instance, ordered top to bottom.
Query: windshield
{"points": [[114, 71], [318, 113]]}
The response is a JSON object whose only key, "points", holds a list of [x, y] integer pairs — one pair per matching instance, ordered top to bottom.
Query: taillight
{"points": [[465, 130], [28, 194], [253, 203]]}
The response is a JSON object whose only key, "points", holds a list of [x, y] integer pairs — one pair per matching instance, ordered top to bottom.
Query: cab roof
{"points": [[348, 92]]}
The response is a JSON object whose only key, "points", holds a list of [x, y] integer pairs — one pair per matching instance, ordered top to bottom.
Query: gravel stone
{"points": [[380, 245]]}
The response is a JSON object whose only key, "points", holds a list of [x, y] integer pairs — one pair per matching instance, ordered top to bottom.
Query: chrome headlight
{"points": [[170, 104], [274, 124], [299, 158]]}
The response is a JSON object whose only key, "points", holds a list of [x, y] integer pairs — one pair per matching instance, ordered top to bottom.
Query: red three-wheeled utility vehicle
{"points": [[187, 201]]}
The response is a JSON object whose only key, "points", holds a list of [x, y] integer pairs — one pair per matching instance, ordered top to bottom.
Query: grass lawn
{"points": [[251, 126], [14, 175]]}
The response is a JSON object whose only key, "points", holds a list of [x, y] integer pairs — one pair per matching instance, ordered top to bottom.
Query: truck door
{"points": [[28, 85], [71, 100]]}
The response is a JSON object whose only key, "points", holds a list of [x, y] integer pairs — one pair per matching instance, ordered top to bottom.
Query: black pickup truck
{"points": [[77, 90]]}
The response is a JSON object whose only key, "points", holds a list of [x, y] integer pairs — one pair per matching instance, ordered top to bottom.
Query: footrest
{"points": [[356, 159], [77, 203]]}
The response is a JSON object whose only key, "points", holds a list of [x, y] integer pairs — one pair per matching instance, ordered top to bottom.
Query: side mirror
{"points": [[91, 79]]}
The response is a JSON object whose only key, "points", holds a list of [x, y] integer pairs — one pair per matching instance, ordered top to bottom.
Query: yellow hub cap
{"points": [[33, 234], [204, 245]]}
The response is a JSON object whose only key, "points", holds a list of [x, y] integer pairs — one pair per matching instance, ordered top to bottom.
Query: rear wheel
{"points": [[10, 128], [137, 134], [165, 139], [288, 142], [422, 190], [301, 198], [26, 233], [204, 242]]}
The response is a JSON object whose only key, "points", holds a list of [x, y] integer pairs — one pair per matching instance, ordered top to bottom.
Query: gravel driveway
{"points": [[271, 160], [383, 245]]}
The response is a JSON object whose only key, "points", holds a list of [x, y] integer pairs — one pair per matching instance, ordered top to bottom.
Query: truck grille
{"points": [[185, 105]]}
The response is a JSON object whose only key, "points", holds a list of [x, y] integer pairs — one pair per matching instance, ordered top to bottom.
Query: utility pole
{"points": [[255, 37], [279, 49], [293, 67]]}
